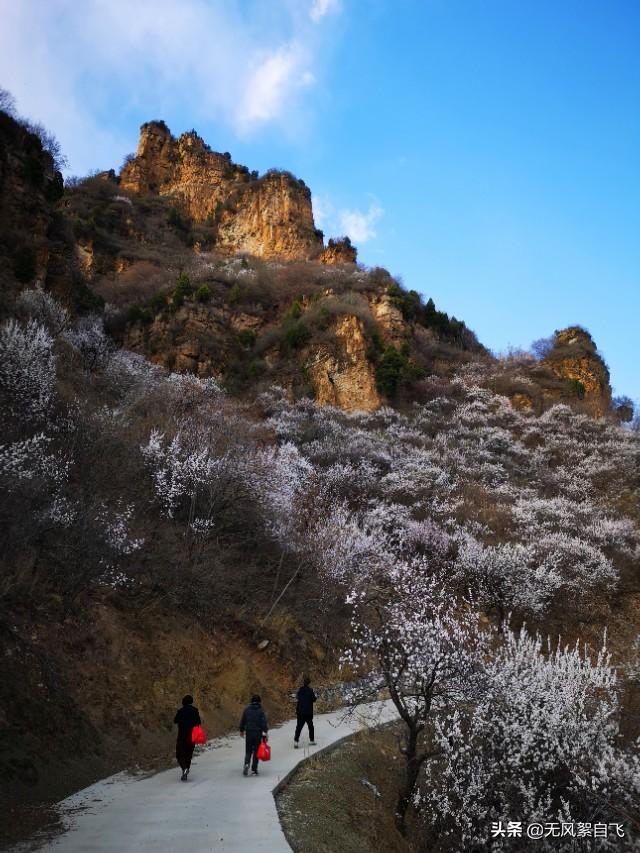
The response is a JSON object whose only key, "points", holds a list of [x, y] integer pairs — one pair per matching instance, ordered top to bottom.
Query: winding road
{"points": [[218, 809]]}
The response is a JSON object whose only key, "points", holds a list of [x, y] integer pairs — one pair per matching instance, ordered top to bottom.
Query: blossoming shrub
{"points": [[541, 745]]}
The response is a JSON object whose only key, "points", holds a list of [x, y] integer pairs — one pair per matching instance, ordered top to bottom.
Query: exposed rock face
{"points": [[29, 185], [269, 216], [339, 251], [84, 255], [389, 318], [193, 340], [203, 341], [339, 352], [574, 357], [347, 379], [521, 402]]}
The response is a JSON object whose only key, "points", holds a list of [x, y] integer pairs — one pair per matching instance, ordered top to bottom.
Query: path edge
{"points": [[327, 750]]}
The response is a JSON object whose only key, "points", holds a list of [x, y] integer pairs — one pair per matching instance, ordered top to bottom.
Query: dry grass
{"points": [[343, 799]]}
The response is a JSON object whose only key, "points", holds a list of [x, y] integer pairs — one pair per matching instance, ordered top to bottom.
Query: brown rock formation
{"points": [[29, 186], [269, 216], [339, 251], [84, 255], [389, 318], [194, 339], [203, 341], [575, 358], [345, 379], [521, 402]]}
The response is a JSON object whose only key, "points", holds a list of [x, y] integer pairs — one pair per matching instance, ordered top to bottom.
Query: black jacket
{"points": [[306, 698], [186, 718], [253, 719]]}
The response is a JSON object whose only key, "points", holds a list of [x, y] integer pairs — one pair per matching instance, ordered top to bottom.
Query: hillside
{"points": [[206, 267], [230, 454]]}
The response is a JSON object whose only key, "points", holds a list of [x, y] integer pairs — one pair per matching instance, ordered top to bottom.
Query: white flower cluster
{"points": [[36, 304], [88, 338], [27, 370], [29, 459], [180, 468], [532, 503], [115, 527], [541, 743]]}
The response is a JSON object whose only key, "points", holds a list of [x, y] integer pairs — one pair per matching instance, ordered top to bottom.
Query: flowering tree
{"points": [[36, 304], [88, 338], [27, 371], [30, 459], [195, 476], [280, 477], [115, 530], [501, 578], [426, 650], [540, 744]]}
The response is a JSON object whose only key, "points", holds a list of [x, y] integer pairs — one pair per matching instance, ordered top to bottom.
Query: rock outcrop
{"points": [[29, 186], [269, 216], [340, 251], [389, 318], [358, 338], [193, 340], [574, 357], [345, 378]]}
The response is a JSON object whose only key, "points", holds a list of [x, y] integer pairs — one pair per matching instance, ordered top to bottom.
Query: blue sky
{"points": [[487, 151]]}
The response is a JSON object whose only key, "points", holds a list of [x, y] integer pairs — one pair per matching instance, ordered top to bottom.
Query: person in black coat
{"points": [[304, 712], [185, 719], [254, 724]]}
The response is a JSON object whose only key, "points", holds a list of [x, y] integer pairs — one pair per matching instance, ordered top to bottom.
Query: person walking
{"points": [[304, 712], [186, 718], [254, 724]]}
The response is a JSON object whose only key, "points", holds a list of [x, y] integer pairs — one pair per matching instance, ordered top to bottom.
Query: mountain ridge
{"points": [[207, 267]]}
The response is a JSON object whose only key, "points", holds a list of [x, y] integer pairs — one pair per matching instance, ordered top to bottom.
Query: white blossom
{"points": [[36, 304], [88, 337], [27, 370], [29, 459], [115, 527], [541, 744]]}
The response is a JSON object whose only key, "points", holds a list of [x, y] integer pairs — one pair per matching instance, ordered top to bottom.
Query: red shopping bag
{"points": [[198, 735], [263, 752]]}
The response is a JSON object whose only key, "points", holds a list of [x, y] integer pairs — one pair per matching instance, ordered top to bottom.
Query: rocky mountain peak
{"points": [[267, 216], [573, 356]]}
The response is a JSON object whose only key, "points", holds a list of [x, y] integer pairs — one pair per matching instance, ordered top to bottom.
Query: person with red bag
{"points": [[186, 719], [254, 723]]}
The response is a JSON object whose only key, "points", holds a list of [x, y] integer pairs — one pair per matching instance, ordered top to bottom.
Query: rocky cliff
{"points": [[29, 185], [269, 216], [339, 251], [293, 311], [325, 353], [573, 356]]}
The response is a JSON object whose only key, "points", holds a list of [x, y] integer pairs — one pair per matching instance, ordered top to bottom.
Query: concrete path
{"points": [[218, 809]]}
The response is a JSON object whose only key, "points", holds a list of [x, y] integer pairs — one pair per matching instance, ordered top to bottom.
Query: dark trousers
{"points": [[302, 719], [252, 742], [184, 752]]}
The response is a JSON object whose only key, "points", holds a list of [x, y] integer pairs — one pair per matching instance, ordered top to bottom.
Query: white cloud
{"points": [[320, 8], [74, 66], [271, 85], [323, 211], [357, 224], [360, 226]]}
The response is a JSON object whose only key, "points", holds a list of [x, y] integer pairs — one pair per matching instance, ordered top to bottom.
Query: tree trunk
{"points": [[286, 587], [412, 769]]}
